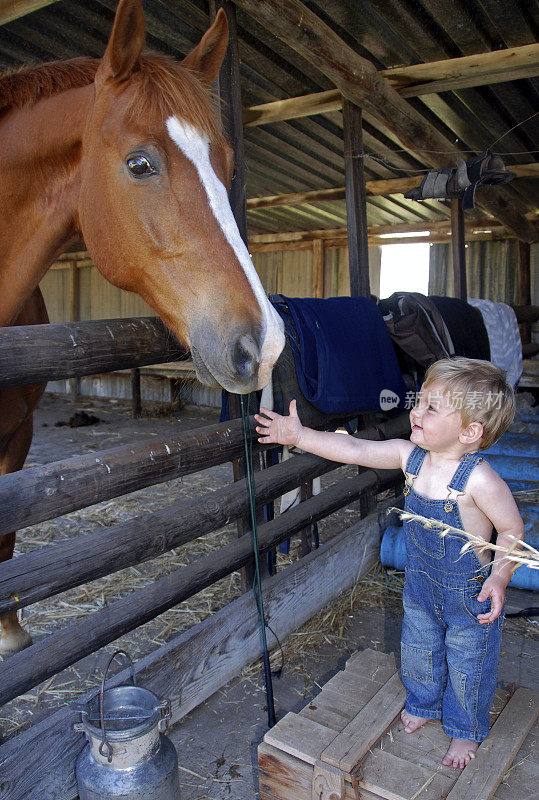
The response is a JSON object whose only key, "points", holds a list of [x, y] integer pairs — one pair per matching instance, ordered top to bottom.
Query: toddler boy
{"points": [[453, 602]]}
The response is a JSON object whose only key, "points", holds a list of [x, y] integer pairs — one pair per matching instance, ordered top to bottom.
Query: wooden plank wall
{"points": [[290, 272]]}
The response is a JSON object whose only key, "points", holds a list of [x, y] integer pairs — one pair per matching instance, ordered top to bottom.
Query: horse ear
{"points": [[126, 41], [206, 58]]}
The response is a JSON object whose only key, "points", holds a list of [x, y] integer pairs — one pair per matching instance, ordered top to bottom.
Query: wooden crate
{"points": [[349, 744]]}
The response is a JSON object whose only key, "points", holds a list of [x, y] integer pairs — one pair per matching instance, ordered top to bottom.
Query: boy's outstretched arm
{"points": [[288, 430]]}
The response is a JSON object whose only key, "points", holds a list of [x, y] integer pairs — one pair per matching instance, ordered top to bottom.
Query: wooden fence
{"points": [[45, 492]]}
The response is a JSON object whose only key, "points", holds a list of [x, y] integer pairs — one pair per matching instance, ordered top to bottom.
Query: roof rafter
{"points": [[13, 9], [429, 78], [359, 81], [374, 188], [440, 231]]}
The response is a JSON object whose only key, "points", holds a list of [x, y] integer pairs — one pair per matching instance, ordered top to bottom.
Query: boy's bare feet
{"points": [[411, 722], [460, 753]]}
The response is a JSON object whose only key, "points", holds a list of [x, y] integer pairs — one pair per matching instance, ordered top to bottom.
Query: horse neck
{"points": [[40, 148]]}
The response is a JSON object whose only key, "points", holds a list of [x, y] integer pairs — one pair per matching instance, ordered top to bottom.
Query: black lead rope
{"points": [[257, 589]]}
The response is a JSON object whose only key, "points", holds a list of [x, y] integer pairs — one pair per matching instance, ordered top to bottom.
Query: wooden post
{"points": [[230, 94], [356, 204], [458, 249], [318, 268], [524, 286], [74, 316], [136, 401], [307, 534]]}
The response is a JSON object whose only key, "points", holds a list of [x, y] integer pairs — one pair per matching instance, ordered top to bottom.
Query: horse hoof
{"points": [[14, 644]]}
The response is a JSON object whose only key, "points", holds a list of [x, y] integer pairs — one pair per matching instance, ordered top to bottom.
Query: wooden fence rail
{"points": [[38, 353], [50, 490], [72, 562], [65, 647]]}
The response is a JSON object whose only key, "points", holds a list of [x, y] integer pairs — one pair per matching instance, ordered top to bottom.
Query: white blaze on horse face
{"points": [[195, 146]]}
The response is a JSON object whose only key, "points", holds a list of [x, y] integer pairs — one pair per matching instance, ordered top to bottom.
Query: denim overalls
{"points": [[449, 660]]}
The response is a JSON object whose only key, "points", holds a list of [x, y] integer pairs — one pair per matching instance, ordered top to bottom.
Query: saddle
{"points": [[485, 169]]}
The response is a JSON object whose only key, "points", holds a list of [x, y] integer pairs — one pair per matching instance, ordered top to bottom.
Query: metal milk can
{"points": [[127, 757]]}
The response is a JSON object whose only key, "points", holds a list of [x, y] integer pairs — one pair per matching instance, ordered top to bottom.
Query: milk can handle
{"points": [[105, 748]]}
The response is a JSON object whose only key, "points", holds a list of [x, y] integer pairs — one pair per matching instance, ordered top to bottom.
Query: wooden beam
{"points": [[13, 9], [482, 69], [436, 76], [356, 78], [359, 81], [292, 108], [525, 170], [375, 188], [356, 206], [307, 237], [441, 237], [524, 277], [33, 353]]}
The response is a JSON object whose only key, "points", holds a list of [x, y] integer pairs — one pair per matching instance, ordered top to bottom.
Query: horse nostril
{"points": [[245, 356]]}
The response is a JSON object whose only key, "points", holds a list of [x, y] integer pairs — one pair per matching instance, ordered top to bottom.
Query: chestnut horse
{"points": [[127, 151]]}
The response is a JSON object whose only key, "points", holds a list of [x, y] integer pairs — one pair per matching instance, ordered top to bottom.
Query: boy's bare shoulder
{"points": [[405, 447], [485, 479]]}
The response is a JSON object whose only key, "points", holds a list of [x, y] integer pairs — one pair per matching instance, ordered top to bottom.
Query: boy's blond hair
{"points": [[479, 391]]}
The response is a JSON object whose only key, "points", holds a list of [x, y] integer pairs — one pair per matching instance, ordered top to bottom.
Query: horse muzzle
{"points": [[241, 364]]}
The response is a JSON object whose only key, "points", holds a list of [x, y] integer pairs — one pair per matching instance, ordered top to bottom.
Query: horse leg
{"points": [[13, 636]]}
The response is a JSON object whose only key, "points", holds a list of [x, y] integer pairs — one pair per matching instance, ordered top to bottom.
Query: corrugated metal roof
{"points": [[306, 153]]}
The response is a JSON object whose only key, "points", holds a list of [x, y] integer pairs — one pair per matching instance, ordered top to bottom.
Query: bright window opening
{"points": [[404, 268]]}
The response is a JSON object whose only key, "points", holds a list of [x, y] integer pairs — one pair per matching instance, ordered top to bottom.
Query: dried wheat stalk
{"points": [[519, 551]]}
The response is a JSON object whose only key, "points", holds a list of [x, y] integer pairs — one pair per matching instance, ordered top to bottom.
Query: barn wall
{"points": [[491, 270], [290, 272]]}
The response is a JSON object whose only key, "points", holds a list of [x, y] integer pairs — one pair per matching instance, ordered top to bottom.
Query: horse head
{"points": [[153, 203]]}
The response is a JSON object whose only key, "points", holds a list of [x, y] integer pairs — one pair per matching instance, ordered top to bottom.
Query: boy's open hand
{"points": [[275, 429], [494, 588]]}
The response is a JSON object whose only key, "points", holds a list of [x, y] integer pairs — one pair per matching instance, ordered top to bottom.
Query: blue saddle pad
{"points": [[343, 353]]}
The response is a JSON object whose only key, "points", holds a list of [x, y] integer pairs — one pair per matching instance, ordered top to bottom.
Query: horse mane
{"points": [[30, 84], [162, 87]]}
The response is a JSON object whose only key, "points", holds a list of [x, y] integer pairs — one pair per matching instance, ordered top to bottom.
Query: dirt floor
{"points": [[217, 742]]}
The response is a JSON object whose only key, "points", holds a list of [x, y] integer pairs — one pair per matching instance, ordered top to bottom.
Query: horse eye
{"points": [[139, 166]]}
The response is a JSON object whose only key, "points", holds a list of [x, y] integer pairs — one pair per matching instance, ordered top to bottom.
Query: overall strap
{"points": [[415, 461], [413, 465], [464, 470]]}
